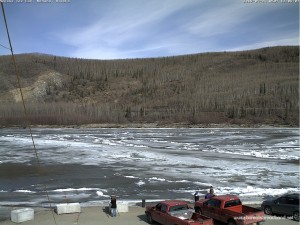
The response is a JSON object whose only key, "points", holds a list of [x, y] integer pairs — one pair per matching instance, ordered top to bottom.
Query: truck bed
{"points": [[243, 209], [183, 214], [250, 215], [192, 217]]}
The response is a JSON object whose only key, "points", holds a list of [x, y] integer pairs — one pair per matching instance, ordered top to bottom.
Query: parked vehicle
{"points": [[287, 204], [229, 209], [175, 212]]}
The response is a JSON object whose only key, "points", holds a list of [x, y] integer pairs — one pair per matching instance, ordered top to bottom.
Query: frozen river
{"points": [[88, 165]]}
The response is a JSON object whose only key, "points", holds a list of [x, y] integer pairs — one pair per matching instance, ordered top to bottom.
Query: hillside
{"points": [[249, 87]]}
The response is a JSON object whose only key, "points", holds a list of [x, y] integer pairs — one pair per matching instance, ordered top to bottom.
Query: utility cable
{"points": [[4, 47], [24, 106]]}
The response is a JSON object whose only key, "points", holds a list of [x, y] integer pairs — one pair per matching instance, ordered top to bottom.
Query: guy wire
{"points": [[24, 107]]}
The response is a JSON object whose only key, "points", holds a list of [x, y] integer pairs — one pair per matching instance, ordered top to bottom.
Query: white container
{"points": [[122, 207], [68, 208], [22, 215]]}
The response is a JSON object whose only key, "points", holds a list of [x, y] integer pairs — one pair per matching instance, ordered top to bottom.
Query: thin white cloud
{"points": [[225, 17], [215, 21], [131, 29], [110, 33]]}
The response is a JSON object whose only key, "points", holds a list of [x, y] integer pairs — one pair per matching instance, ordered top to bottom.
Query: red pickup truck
{"points": [[229, 209], [175, 212]]}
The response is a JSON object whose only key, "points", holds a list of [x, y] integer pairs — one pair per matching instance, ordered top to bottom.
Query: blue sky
{"points": [[111, 29]]}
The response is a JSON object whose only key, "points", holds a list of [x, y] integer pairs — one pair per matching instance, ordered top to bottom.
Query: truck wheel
{"points": [[198, 210], [268, 210], [296, 216], [149, 218], [231, 222]]}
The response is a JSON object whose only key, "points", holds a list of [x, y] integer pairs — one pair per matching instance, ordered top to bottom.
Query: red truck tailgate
{"points": [[254, 217], [201, 219], [194, 223], [200, 223]]}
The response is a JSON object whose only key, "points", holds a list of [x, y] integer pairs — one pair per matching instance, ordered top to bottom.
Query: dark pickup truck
{"points": [[229, 209], [175, 212]]}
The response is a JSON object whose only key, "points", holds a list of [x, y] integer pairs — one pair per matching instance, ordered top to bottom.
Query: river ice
{"points": [[88, 165]]}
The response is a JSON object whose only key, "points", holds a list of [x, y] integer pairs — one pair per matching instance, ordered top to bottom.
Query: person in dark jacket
{"points": [[211, 193], [197, 195], [113, 206]]}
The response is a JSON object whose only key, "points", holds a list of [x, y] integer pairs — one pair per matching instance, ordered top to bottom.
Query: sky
{"points": [[120, 29]]}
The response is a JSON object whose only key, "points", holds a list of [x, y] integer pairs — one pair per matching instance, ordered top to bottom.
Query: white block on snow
{"points": [[123, 207], [67, 208], [22, 215]]}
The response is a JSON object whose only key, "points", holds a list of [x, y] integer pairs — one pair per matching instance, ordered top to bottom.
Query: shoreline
{"points": [[158, 125]]}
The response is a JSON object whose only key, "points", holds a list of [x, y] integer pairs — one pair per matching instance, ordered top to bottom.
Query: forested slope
{"points": [[249, 87]]}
